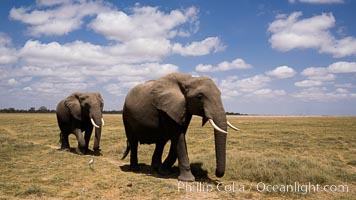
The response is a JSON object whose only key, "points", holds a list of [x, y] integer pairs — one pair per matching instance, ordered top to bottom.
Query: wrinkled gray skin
{"points": [[161, 110], [73, 116]]}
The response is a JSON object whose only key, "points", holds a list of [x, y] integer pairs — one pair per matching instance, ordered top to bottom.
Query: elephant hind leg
{"points": [[64, 140], [133, 155], [157, 156], [166, 167]]}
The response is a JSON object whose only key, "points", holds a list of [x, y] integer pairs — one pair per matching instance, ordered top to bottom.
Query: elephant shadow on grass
{"points": [[88, 152], [201, 175]]}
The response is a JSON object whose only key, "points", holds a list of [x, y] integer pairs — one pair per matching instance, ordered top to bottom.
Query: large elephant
{"points": [[160, 110], [77, 113]]}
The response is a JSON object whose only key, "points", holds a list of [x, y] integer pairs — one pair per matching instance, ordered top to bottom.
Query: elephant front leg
{"points": [[87, 136], [81, 142], [185, 173]]}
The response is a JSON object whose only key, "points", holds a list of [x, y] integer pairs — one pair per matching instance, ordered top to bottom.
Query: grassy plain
{"points": [[267, 151]]}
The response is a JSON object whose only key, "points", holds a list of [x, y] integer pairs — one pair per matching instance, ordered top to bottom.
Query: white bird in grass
{"points": [[91, 163]]}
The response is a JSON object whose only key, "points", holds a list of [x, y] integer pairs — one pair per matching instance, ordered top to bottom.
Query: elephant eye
{"points": [[199, 96]]}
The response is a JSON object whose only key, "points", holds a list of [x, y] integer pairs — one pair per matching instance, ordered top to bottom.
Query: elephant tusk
{"points": [[92, 121], [102, 121], [231, 126], [216, 127]]}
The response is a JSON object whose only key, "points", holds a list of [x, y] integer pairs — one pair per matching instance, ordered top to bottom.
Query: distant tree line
{"points": [[44, 109], [112, 111], [233, 113]]}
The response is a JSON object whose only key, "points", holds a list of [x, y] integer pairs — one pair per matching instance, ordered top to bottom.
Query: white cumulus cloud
{"points": [[51, 2], [57, 17], [144, 22], [290, 32], [208, 45], [84, 53], [133, 53], [8, 54], [224, 66], [342, 67], [282, 72], [318, 74], [12, 82], [253, 83], [308, 83], [250, 89], [342, 90], [268, 93], [321, 94]]}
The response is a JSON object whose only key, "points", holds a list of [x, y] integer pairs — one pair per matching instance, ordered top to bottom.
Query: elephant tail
{"points": [[127, 150]]}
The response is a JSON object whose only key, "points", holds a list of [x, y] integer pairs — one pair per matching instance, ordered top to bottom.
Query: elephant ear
{"points": [[169, 98], [72, 102]]}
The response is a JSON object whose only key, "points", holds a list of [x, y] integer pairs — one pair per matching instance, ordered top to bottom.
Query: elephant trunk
{"points": [[96, 118], [97, 139], [220, 145]]}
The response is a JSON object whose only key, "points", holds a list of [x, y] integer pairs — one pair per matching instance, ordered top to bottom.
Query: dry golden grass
{"points": [[272, 150]]}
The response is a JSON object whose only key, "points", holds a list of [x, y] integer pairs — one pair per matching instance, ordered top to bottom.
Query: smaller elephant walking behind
{"points": [[160, 110], [77, 113]]}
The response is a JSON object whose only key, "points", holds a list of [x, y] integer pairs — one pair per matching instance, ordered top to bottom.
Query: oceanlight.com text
{"points": [[235, 187], [301, 188]]}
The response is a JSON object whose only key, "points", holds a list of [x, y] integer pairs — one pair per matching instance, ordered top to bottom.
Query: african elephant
{"points": [[160, 110], [77, 113]]}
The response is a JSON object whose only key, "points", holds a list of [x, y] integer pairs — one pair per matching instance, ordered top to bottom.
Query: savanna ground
{"points": [[267, 151]]}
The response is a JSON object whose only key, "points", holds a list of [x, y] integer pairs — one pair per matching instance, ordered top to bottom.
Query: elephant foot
{"points": [[65, 149], [79, 151], [97, 152], [155, 166], [134, 168], [164, 170], [186, 176]]}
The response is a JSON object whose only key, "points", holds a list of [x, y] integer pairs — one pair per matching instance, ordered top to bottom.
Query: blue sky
{"points": [[285, 57]]}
